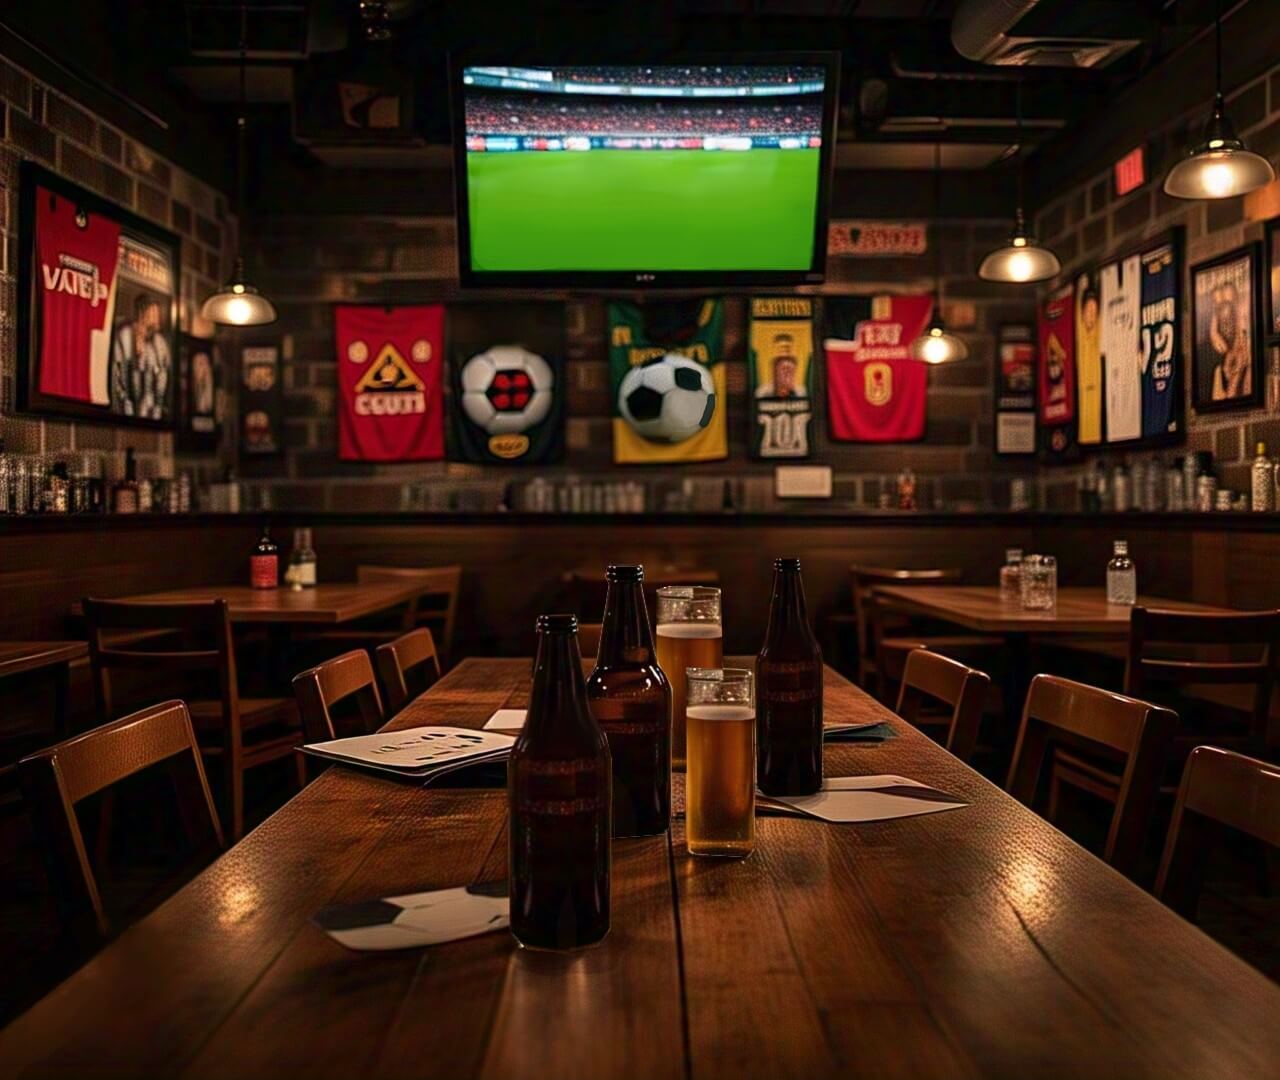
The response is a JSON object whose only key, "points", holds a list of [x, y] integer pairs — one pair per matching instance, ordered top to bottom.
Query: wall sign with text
{"points": [[877, 239], [261, 401], [1015, 426]]}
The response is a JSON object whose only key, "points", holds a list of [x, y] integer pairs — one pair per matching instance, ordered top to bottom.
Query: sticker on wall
{"points": [[507, 364], [780, 376], [668, 381], [875, 391], [261, 398], [390, 404]]}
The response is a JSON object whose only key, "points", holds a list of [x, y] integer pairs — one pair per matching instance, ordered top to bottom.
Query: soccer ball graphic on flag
{"points": [[506, 389], [667, 399]]}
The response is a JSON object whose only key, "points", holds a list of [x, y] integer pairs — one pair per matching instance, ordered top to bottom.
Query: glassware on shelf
{"points": [[1039, 583]]}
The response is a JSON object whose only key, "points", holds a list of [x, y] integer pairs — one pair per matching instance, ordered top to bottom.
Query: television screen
{"points": [[653, 174]]}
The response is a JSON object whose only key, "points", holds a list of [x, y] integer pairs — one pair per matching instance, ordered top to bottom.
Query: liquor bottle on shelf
{"points": [[6, 481], [1263, 481], [57, 489], [124, 496], [264, 562], [301, 572], [1122, 576], [1011, 577], [788, 692], [631, 701], [559, 797]]}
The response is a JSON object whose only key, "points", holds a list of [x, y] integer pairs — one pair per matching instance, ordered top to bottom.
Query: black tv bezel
{"points": [[640, 278]]}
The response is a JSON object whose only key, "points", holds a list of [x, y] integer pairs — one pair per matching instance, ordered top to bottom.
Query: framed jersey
{"points": [[97, 307]]}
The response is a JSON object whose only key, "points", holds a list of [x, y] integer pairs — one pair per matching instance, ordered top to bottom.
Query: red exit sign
{"points": [[1131, 171]]}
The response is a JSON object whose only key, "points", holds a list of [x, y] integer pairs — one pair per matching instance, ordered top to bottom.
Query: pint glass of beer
{"points": [[689, 636], [720, 780]]}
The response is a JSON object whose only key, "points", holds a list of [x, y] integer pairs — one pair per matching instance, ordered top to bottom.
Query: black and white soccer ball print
{"points": [[506, 390], [668, 399]]}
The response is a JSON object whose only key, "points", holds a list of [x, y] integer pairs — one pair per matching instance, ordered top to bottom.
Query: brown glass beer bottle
{"points": [[788, 692], [631, 701]]}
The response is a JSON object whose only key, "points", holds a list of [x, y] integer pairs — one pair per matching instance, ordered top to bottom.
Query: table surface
{"points": [[326, 603], [979, 607], [17, 657], [979, 942]]}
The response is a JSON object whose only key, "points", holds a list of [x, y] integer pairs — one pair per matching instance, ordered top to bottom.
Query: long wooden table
{"points": [[329, 603], [975, 943]]}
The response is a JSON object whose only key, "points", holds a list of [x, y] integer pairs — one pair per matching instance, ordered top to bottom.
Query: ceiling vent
{"points": [[1048, 33]]}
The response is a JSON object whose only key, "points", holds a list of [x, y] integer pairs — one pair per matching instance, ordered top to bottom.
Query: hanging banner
{"points": [[1121, 297], [1057, 331], [1158, 342], [1088, 360], [507, 364], [780, 376], [668, 381], [389, 387], [875, 391], [1015, 427]]}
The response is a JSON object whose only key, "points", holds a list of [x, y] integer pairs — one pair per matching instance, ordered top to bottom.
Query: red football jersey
{"points": [[77, 267]]}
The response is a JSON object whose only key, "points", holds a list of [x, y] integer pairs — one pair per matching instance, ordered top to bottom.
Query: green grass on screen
{"points": [[642, 209]]}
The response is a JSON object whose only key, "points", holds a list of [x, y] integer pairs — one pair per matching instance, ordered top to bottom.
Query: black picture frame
{"points": [[32, 180], [642, 277], [1271, 281], [1203, 378], [1015, 387], [260, 399], [201, 406]]}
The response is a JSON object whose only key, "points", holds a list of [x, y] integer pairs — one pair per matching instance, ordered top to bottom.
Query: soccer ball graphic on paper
{"points": [[506, 389], [667, 399]]}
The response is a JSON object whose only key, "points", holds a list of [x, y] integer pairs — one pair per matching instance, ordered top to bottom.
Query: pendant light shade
{"points": [[1220, 166], [1021, 260], [936, 346]]}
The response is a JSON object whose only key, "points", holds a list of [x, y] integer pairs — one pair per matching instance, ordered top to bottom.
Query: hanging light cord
{"points": [[1217, 54], [242, 140], [1019, 225]]}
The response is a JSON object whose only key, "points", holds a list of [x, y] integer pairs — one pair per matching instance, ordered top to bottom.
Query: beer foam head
{"points": [[690, 630], [720, 712]]}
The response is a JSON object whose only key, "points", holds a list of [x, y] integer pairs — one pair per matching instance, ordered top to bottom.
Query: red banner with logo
{"points": [[1058, 357], [875, 391], [390, 406]]}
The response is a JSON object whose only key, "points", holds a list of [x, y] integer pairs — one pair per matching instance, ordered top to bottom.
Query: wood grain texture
{"points": [[978, 607], [17, 657], [974, 943]]}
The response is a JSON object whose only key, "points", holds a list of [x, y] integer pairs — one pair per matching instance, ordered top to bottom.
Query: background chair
{"points": [[435, 607], [407, 667], [929, 678], [346, 679], [243, 733], [1134, 734], [56, 779]]}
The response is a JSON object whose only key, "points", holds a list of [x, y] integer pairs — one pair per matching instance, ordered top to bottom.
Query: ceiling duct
{"points": [[1048, 33]]}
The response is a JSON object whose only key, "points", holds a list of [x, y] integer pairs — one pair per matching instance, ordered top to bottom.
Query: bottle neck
{"points": [[787, 614], [626, 637], [559, 692]]}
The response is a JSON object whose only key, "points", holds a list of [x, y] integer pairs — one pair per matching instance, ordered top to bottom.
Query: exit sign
{"points": [[1131, 171]]}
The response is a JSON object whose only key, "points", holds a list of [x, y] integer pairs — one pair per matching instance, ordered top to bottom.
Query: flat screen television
{"points": [[663, 174]]}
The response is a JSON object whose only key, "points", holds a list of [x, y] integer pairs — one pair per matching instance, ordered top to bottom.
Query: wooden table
{"points": [[328, 604], [55, 657], [975, 943]]}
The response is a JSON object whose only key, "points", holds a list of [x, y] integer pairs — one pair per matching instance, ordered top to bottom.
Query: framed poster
{"points": [[1273, 279], [97, 306], [1226, 342], [200, 394], [261, 400], [1015, 426]]}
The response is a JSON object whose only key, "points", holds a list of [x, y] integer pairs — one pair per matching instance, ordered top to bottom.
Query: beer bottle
{"points": [[788, 692], [631, 700], [558, 795]]}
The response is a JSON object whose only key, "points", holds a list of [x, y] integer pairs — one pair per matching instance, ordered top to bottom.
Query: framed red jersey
{"points": [[97, 308]]}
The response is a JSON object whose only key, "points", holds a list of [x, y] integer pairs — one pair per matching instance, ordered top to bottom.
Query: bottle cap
{"points": [[1262, 449], [1121, 547], [1013, 554], [787, 564], [624, 572], [557, 624]]}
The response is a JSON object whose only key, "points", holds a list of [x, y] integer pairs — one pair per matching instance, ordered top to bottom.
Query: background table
{"points": [[328, 603], [979, 942]]}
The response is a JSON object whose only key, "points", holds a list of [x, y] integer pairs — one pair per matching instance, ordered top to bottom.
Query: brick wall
{"points": [[42, 124], [1086, 224], [308, 263]]}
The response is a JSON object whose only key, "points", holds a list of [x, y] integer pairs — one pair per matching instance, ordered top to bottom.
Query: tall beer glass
{"points": [[689, 636], [720, 781]]}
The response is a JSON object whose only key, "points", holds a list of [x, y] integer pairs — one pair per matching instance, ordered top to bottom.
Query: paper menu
{"points": [[506, 720], [415, 752], [866, 798], [406, 922]]}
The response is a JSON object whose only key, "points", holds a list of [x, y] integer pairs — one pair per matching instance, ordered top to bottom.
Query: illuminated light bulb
{"points": [[1218, 181], [1020, 268], [238, 311], [935, 349]]}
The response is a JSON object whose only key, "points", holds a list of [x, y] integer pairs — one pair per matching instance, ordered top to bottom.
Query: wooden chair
{"points": [[440, 584], [589, 639], [407, 667], [928, 677], [319, 689], [243, 732], [1135, 733], [55, 780], [1218, 789]]}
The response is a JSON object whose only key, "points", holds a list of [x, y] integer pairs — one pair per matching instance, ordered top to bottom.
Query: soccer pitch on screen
{"points": [[643, 209]]}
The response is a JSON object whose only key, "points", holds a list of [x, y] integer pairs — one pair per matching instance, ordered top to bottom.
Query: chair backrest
{"points": [[863, 579], [437, 581], [1155, 635], [182, 639], [589, 639], [407, 667], [930, 676], [320, 688], [1059, 711], [56, 779], [1219, 788]]}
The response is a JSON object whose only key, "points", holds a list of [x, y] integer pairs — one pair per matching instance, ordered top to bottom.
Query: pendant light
{"points": [[1220, 166], [1021, 260], [238, 303], [935, 345]]}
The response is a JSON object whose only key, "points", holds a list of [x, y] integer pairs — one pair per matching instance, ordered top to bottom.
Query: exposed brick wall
{"points": [[40, 123], [1087, 224], [308, 263]]}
